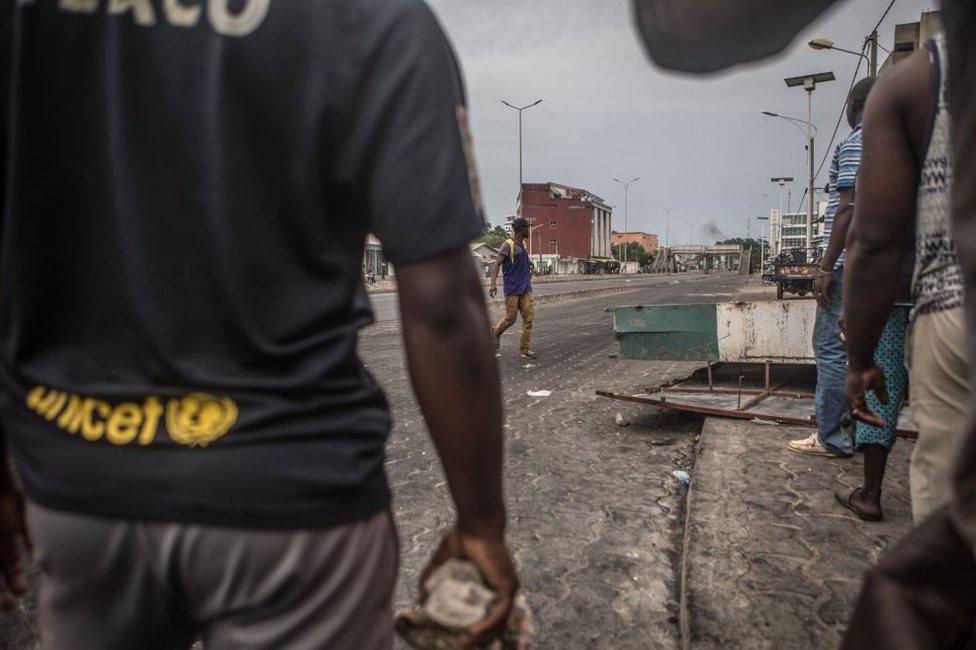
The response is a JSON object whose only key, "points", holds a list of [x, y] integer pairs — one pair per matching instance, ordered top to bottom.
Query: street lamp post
{"points": [[872, 45], [809, 84], [520, 109], [782, 180], [626, 210], [692, 224], [667, 226], [531, 229], [762, 244]]}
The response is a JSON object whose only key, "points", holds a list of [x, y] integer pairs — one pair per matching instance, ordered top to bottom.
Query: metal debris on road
{"points": [[773, 393]]}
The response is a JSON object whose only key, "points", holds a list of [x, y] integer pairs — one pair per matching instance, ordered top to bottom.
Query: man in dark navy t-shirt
{"points": [[187, 188], [513, 260]]}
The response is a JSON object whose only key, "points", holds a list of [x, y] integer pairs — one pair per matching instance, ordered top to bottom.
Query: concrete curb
{"points": [[565, 278], [568, 295]]}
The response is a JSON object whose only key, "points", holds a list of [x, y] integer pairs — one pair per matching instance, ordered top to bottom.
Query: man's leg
{"points": [[960, 23], [527, 309], [511, 313], [831, 356], [939, 402], [876, 443], [329, 588], [98, 589], [920, 595]]}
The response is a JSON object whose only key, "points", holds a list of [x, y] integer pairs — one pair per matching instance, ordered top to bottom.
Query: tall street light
{"points": [[872, 44], [809, 83], [520, 109], [810, 134], [782, 181], [626, 210], [692, 224], [775, 225], [667, 226], [531, 230], [762, 244]]}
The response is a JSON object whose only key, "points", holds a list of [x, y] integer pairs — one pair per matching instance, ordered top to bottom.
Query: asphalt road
{"points": [[386, 307], [595, 516]]}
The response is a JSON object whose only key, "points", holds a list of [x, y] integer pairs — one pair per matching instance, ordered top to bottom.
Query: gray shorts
{"points": [[115, 584]]}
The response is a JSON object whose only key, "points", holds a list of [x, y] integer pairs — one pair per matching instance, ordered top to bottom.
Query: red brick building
{"points": [[573, 223], [647, 240]]}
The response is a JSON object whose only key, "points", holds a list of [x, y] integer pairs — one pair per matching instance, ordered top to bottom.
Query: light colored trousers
{"points": [[939, 399], [112, 584]]}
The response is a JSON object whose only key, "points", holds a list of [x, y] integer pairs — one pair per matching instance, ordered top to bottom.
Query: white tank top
{"points": [[937, 281]]}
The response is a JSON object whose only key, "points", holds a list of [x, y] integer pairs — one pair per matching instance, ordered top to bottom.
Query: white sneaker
{"points": [[812, 447]]}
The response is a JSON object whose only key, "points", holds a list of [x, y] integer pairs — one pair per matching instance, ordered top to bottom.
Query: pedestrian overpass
{"points": [[718, 257]]}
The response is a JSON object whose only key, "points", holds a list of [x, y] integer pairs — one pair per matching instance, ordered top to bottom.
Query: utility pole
{"points": [[873, 54], [520, 109], [626, 210], [667, 226], [809, 238]]}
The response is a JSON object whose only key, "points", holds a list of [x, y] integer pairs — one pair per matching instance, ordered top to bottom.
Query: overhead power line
{"points": [[843, 110]]}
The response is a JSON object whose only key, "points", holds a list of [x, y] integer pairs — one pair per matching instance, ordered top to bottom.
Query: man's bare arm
{"points": [[841, 226], [882, 234], [838, 239], [502, 254], [455, 376]]}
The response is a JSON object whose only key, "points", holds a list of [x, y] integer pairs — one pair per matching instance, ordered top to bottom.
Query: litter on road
{"points": [[539, 393], [682, 477]]}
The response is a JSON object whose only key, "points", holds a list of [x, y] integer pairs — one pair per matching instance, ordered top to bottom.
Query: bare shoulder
{"points": [[903, 94]]}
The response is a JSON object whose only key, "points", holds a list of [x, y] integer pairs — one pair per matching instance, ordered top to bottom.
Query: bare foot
{"points": [[863, 506]]}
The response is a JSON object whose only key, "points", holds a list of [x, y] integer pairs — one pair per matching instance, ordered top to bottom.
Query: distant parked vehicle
{"points": [[794, 271]]}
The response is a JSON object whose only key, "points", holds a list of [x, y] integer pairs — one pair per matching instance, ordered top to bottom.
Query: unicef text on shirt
{"points": [[178, 13]]}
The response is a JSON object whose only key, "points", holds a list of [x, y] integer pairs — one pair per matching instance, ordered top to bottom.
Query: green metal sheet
{"points": [[667, 332]]}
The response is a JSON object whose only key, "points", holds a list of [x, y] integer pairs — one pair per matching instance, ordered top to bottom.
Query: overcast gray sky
{"points": [[698, 144]]}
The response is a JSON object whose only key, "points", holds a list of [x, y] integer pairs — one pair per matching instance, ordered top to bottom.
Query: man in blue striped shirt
{"points": [[830, 405]]}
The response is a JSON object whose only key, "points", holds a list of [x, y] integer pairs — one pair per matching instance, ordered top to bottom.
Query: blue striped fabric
{"points": [[842, 175]]}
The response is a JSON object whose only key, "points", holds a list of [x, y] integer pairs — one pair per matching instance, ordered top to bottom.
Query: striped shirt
{"points": [[842, 176]]}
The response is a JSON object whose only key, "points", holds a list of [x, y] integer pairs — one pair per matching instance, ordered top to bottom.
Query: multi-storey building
{"points": [[567, 221], [789, 230], [648, 241]]}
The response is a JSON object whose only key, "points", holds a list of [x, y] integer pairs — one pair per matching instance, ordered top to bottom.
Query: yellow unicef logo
{"points": [[198, 419]]}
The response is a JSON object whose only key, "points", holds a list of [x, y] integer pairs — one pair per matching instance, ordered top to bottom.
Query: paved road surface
{"points": [[386, 308], [596, 518]]}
